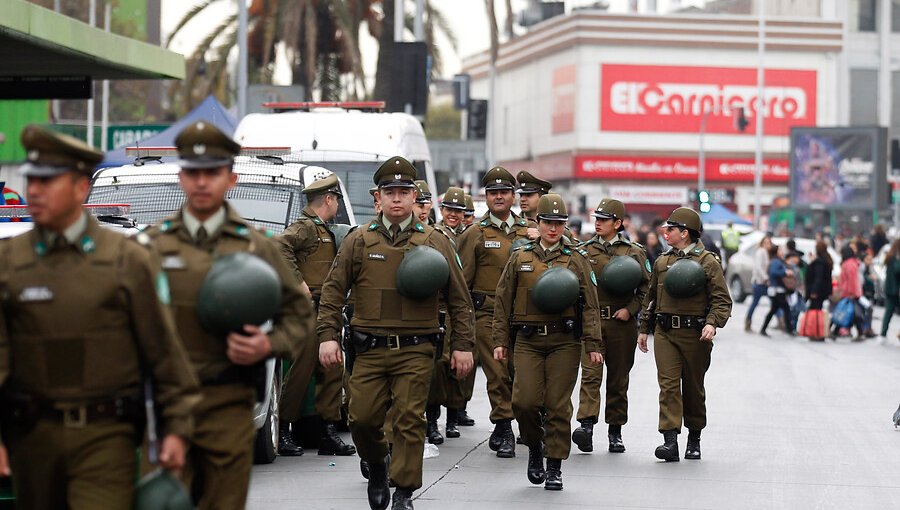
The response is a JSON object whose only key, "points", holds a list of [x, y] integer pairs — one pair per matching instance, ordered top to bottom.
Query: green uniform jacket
{"points": [[372, 244], [309, 247], [599, 256], [483, 259], [187, 264], [505, 298], [714, 302], [77, 322]]}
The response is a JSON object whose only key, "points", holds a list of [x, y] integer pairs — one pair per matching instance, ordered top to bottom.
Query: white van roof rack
{"points": [[365, 106], [164, 152]]}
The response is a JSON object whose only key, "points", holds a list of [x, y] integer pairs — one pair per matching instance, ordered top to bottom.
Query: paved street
{"points": [[792, 424]]}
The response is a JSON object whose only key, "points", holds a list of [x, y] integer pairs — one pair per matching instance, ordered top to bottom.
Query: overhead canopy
{"points": [[35, 41], [210, 110], [719, 214]]}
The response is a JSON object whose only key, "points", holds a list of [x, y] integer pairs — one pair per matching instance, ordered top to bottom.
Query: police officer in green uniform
{"points": [[530, 190], [423, 206], [469, 218], [189, 241], [309, 247], [484, 249], [620, 294], [686, 302], [83, 321], [394, 328], [548, 341], [446, 389]]}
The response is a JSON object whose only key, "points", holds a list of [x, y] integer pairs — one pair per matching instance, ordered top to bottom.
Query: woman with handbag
{"points": [[780, 279], [891, 285], [850, 288], [818, 289]]}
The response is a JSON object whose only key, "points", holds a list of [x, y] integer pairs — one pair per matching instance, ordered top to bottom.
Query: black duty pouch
{"points": [[478, 299], [360, 342], [19, 412]]}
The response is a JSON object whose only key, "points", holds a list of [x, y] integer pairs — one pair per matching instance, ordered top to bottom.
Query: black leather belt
{"points": [[670, 321], [529, 330], [395, 342], [83, 414]]}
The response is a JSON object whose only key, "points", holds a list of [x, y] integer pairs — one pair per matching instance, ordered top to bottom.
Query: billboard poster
{"points": [[673, 99], [838, 168]]}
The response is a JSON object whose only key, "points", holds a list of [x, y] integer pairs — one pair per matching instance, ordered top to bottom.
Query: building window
{"points": [[863, 13], [895, 16], [863, 94]]}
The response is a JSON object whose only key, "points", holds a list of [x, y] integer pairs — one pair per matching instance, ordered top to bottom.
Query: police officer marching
{"points": [[530, 190], [423, 206], [469, 217], [205, 231], [309, 247], [484, 249], [622, 286], [546, 298], [686, 302], [394, 329], [72, 356]]}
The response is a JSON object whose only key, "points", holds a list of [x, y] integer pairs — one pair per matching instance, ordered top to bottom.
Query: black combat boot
{"points": [[463, 419], [451, 429], [433, 433], [496, 435], [583, 436], [615, 439], [331, 443], [286, 445], [693, 445], [507, 448], [668, 451], [364, 468], [535, 470], [554, 475], [378, 491], [402, 499]]}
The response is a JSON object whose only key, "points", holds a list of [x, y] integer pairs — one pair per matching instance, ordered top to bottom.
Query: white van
{"points": [[350, 139]]}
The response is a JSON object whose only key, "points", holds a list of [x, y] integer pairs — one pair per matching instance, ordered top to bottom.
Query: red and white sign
{"points": [[673, 99], [563, 115], [678, 169], [666, 195]]}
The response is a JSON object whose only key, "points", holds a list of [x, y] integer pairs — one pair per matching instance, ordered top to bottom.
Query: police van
{"points": [[349, 138]]}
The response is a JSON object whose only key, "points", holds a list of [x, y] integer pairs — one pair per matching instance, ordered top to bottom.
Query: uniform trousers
{"points": [[620, 338], [681, 364], [497, 373], [546, 373], [398, 378], [80, 468]]}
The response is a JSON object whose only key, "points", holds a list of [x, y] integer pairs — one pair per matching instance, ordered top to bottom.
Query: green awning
{"points": [[35, 41]]}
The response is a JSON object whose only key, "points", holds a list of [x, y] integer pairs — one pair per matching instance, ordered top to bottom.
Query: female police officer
{"points": [[547, 333]]}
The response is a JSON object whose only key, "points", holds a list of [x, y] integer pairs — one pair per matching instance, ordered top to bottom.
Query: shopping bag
{"points": [[842, 315], [813, 324]]}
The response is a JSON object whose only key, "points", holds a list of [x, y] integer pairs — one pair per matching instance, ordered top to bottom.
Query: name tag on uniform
{"points": [[325, 239], [492, 244], [377, 256], [173, 262], [526, 267], [36, 294]]}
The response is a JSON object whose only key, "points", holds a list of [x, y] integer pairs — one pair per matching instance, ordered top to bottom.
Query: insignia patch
{"points": [[199, 149], [373, 226], [419, 227], [242, 230], [325, 239], [492, 244], [88, 245], [40, 248], [377, 256], [173, 262], [458, 262], [647, 265], [526, 267], [593, 278], [162, 288], [36, 294]]}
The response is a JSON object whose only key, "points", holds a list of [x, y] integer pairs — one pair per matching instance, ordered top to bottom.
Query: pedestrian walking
{"points": [[759, 278], [782, 281], [891, 285], [818, 288], [850, 289], [620, 292], [686, 302], [539, 305], [394, 330], [74, 357]]}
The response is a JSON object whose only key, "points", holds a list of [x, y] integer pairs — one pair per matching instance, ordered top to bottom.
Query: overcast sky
{"points": [[467, 18]]}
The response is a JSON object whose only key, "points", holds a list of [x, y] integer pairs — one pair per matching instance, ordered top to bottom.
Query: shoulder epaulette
{"points": [[317, 221], [142, 238], [586, 243], [639, 245], [526, 247], [566, 251], [582, 252]]}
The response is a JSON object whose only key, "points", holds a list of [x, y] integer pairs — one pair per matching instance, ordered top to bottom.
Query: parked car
{"points": [[268, 195], [740, 267]]}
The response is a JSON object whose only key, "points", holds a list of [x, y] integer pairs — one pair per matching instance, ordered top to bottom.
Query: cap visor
{"points": [[204, 162], [39, 170], [396, 184], [495, 187], [451, 205], [603, 215], [553, 217]]}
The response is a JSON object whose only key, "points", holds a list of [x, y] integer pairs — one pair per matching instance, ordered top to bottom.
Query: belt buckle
{"points": [[606, 312], [676, 322], [542, 330], [393, 342], [75, 417]]}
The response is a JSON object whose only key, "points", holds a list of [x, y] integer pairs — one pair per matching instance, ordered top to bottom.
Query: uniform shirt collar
{"points": [[510, 221], [212, 224], [403, 224], [72, 234], [549, 249], [687, 249]]}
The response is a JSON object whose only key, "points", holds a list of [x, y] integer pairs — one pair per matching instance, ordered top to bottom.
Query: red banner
{"points": [[673, 99], [678, 169]]}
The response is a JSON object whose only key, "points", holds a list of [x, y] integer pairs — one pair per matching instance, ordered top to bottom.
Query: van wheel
{"points": [[737, 290], [265, 445]]}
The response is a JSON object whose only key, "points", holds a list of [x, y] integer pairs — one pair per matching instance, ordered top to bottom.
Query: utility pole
{"points": [[92, 21], [242, 59], [104, 105], [760, 114]]}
